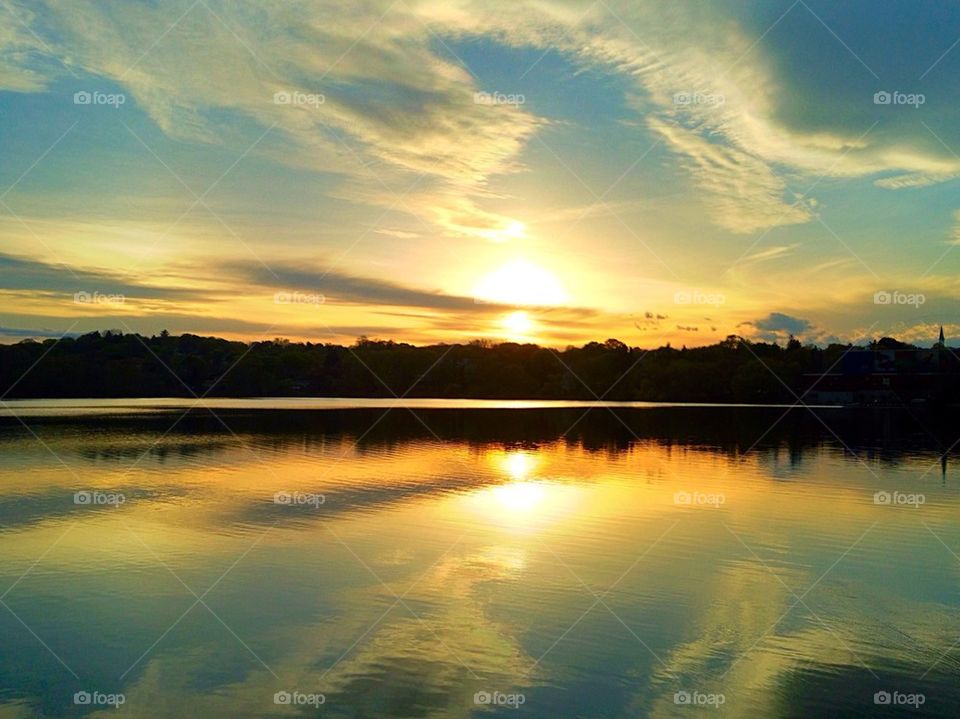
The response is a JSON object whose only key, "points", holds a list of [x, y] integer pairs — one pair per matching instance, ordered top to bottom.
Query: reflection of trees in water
{"points": [[887, 436]]}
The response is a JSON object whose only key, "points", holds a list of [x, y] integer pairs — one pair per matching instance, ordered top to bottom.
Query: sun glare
{"points": [[515, 230], [521, 282], [518, 325], [518, 465], [519, 496]]}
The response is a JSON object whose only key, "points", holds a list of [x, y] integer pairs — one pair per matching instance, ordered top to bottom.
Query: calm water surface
{"points": [[497, 560]]}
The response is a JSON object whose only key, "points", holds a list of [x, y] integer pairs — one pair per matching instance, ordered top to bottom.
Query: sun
{"points": [[521, 282], [518, 325]]}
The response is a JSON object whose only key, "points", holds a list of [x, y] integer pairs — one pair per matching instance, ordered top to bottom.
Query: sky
{"points": [[443, 171]]}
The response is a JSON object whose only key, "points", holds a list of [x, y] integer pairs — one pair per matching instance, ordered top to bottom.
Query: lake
{"points": [[362, 558]]}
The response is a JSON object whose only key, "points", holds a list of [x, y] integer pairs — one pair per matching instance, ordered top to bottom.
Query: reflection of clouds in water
{"points": [[396, 557], [500, 562], [700, 599], [717, 633], [744, 640], [457, 643], [400, 666], [17, 710]]}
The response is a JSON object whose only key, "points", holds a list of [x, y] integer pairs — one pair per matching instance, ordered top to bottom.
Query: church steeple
{"points": [[940, 341]]}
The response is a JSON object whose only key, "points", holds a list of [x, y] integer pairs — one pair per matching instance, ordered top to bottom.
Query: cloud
{"points": [[20, 52], [398, 105], [386, 106], [749, 111], [398, 126], [917, 179], [743, 193], [955, 234], [771, 253], [21, 274], [341, 287], [648, 321], [777, 321], [180, 323], [777, 326], [45, 333]]}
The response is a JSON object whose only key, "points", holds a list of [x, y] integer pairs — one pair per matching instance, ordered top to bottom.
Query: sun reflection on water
{"points": [[519, 465], [520, 496], [527, 499]]}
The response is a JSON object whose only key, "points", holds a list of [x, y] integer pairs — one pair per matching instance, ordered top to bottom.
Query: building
{"points": [[884, 376]]}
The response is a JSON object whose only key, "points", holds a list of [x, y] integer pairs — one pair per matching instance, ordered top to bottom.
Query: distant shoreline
{"points": [[735, 372], [321, 403]]}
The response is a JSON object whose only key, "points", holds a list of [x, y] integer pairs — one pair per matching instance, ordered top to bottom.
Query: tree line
{"points": [[116, 364]]}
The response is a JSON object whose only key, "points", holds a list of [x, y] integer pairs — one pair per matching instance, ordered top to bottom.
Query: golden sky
{"points": [[443, 171]]}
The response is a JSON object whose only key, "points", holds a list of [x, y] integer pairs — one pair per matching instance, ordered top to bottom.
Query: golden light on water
{"points": [[519, 465], [519, 496], [526, 501]]}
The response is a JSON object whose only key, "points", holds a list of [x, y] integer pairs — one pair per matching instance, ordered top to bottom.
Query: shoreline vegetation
{"points": [[113, 364]]}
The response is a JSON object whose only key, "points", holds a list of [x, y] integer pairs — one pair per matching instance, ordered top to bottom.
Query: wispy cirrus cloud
{"points": [[398, 103], [386, 106], [394, 148], [743, 193], [26, 275]]}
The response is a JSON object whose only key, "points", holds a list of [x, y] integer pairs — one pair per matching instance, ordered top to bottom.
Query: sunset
{"points": [[593, 162], [416, 358]]}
